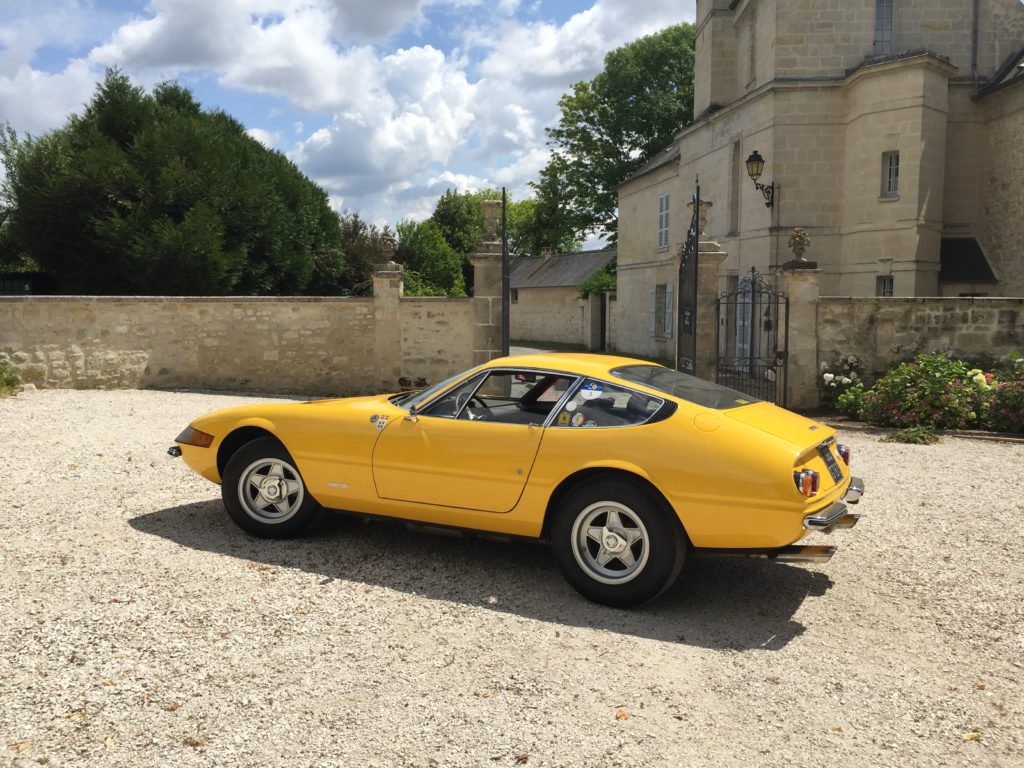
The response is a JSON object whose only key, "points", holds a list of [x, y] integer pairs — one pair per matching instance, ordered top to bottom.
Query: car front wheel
{"points": [[264, 493], [616, 543]]}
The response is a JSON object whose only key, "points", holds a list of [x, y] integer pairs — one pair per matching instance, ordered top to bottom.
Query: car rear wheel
{"points": [[264, 493], [616, 542]]}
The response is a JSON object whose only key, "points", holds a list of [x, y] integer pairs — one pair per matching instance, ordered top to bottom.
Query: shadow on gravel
{"points": [[720, 604]]}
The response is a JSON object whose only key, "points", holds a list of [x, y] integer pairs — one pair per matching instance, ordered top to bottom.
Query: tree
{"points": [[613, 124], [148, 194], [542, 222], [432, 266], [349, 271]]}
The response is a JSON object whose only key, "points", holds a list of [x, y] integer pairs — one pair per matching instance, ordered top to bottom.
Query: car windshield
{"points": [[684, 386], [413, 399]]}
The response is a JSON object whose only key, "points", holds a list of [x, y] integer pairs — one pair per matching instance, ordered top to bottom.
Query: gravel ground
{"points": [[140, 627]]}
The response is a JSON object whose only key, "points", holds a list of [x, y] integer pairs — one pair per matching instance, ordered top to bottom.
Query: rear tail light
{"points": [[844, 453], [807, 482]]}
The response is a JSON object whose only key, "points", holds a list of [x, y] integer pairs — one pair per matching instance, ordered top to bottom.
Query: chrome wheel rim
{"points": [[270, 491], [610, 542]]}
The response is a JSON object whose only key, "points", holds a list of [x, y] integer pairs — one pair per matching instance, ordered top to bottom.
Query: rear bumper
{"points": [[836, 515]]}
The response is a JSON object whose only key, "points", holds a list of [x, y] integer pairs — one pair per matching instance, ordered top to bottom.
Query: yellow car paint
{"points": [[727, 473]]}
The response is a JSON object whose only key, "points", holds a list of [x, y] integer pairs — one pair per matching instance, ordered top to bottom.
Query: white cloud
{"points": [[35, 102], [401, 125], [268, 139]]}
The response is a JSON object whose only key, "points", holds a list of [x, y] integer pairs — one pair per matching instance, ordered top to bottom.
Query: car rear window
{"points": [[684, 386]]}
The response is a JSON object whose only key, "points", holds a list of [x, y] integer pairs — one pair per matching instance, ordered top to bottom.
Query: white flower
{"points": [[852, 360], [853, 375], [828, 377], [846, 380]]}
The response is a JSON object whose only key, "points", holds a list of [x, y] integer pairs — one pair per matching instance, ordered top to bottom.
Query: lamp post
{"points": [[755, 167]]}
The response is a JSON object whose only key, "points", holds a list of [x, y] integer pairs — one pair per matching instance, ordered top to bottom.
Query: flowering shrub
{"points": [[836, 378], [933, 390], [851, 402], [1006, 407]]}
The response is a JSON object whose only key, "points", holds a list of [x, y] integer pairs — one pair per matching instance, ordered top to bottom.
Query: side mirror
{"points": [[412, 415]]}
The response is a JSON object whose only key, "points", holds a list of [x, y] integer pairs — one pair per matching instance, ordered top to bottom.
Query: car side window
{"points": [[504, 396], [599, 404], [449, 405]]}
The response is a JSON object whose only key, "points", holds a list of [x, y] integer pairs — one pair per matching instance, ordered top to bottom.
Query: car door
{"points": [[474, 447]]}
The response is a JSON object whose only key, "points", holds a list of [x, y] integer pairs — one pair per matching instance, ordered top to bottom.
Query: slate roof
{"points": [[666, 156], [561, 270]]}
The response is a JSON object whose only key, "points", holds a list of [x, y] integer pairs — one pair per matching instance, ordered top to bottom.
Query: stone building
{"points": [[892, 131], [546, 304]]}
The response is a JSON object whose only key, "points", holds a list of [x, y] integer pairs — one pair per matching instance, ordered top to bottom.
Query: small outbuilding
{"points": [[546, 302]]}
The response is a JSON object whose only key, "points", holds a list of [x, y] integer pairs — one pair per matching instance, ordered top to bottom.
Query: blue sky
{"points": [[385, 104]]}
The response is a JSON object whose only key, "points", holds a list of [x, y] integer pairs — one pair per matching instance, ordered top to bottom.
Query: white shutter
{"points": [[654, 310], [668, 311]]}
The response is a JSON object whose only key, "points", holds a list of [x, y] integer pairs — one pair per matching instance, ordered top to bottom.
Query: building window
{"points": [[883, 26], [890, 174], [663, 221], [883, 285], [514, 295], [662, 316]]}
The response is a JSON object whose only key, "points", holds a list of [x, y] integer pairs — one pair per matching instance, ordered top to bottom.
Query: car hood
{"points": [[799, 431]]}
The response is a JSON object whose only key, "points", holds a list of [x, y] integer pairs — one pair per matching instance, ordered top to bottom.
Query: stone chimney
{"points": [[546, 252]]}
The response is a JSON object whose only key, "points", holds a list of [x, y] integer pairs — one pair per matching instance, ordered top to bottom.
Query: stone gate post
{"points": [[710, 257], [486, 261], [802, 286], [388, 287]]}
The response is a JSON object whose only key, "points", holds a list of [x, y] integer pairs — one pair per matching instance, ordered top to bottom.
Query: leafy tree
{"points": [[613, 124], [148, 194], [460, 218], [537, 223], [433, 267], [349, 271], [603, 280]]}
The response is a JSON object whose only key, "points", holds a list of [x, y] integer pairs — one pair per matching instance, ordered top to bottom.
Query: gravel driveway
{"points": [[140, 627]]}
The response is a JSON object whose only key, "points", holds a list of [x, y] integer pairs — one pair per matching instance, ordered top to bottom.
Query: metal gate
{"points": [[686, 333], [753, 339]]}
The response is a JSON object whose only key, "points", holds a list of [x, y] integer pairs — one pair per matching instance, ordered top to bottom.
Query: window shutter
{"points": [[654, 310], [668, 311]]}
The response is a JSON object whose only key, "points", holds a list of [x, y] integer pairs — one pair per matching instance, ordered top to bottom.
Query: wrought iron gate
{"points": [[686, 333], [753, 339]]}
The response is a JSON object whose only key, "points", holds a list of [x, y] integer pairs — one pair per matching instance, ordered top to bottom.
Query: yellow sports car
{"points": [[625, 466]]}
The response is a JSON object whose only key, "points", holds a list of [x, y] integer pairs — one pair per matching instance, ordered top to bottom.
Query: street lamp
{"points": [[755, 166]]}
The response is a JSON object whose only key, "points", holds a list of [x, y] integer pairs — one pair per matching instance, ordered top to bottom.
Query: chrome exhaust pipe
{"points": [[854, 491], [847, 521], [794, 553], [806, 553]]}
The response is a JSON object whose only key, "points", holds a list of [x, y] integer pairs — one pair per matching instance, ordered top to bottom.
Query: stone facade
{"points": [[802, 84], [549, 314], [882, 331], [316, 346]]}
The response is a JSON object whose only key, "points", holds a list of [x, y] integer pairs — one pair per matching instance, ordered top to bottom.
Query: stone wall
{"points": [[549, 314], [881, 331], [328, 346]]}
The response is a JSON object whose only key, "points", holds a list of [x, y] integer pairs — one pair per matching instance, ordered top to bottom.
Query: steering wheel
{"points": [[466, 397]]}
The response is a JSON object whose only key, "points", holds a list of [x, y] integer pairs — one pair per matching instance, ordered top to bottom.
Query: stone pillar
{"points": [[710, 258], [486, 261], [802, 285], [388, 287], [590, 308]]}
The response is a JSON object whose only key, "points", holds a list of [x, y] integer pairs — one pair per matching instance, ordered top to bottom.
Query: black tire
{"points": [[264, 493], [643, 531]]}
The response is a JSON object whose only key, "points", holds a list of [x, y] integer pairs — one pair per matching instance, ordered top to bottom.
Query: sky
{"points": [[384, 103]]}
